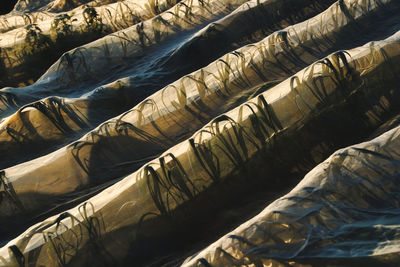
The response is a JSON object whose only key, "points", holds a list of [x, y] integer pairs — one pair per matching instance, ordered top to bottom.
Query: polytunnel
{"points": [[199, 133]]}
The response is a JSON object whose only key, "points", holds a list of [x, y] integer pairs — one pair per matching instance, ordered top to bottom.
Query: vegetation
{"points": [[67, 31], [223, 107], [241, 141]]}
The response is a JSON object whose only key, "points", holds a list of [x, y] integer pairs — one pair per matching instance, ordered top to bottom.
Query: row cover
{"points": [[28, 51], [92, 61], [62, 119], [287, 128], [121, 145], [344, 212]]}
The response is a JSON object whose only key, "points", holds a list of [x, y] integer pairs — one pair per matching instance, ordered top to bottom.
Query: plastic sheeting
{"points": [[30, 6], [31, 42], [129, 51], [90, 62], [239, 73], [65, 118], [121, 145], [174, 172], [134, 212], [344, 212]]}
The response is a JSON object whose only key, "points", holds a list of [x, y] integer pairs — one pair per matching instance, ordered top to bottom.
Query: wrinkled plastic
{"points": [[30, 46], [91, 61], [66, 118], [121, 145], [205, 151], [344, 212], [115, 223]]}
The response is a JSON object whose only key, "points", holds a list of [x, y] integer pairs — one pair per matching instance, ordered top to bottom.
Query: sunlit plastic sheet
{"points": [[29, 6], [43, 10], [249, 23], [27, 51], [116, 51], [78, 69], [334, 102], [185, 105], [62, 119], [124, 143], [345, 211]]}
